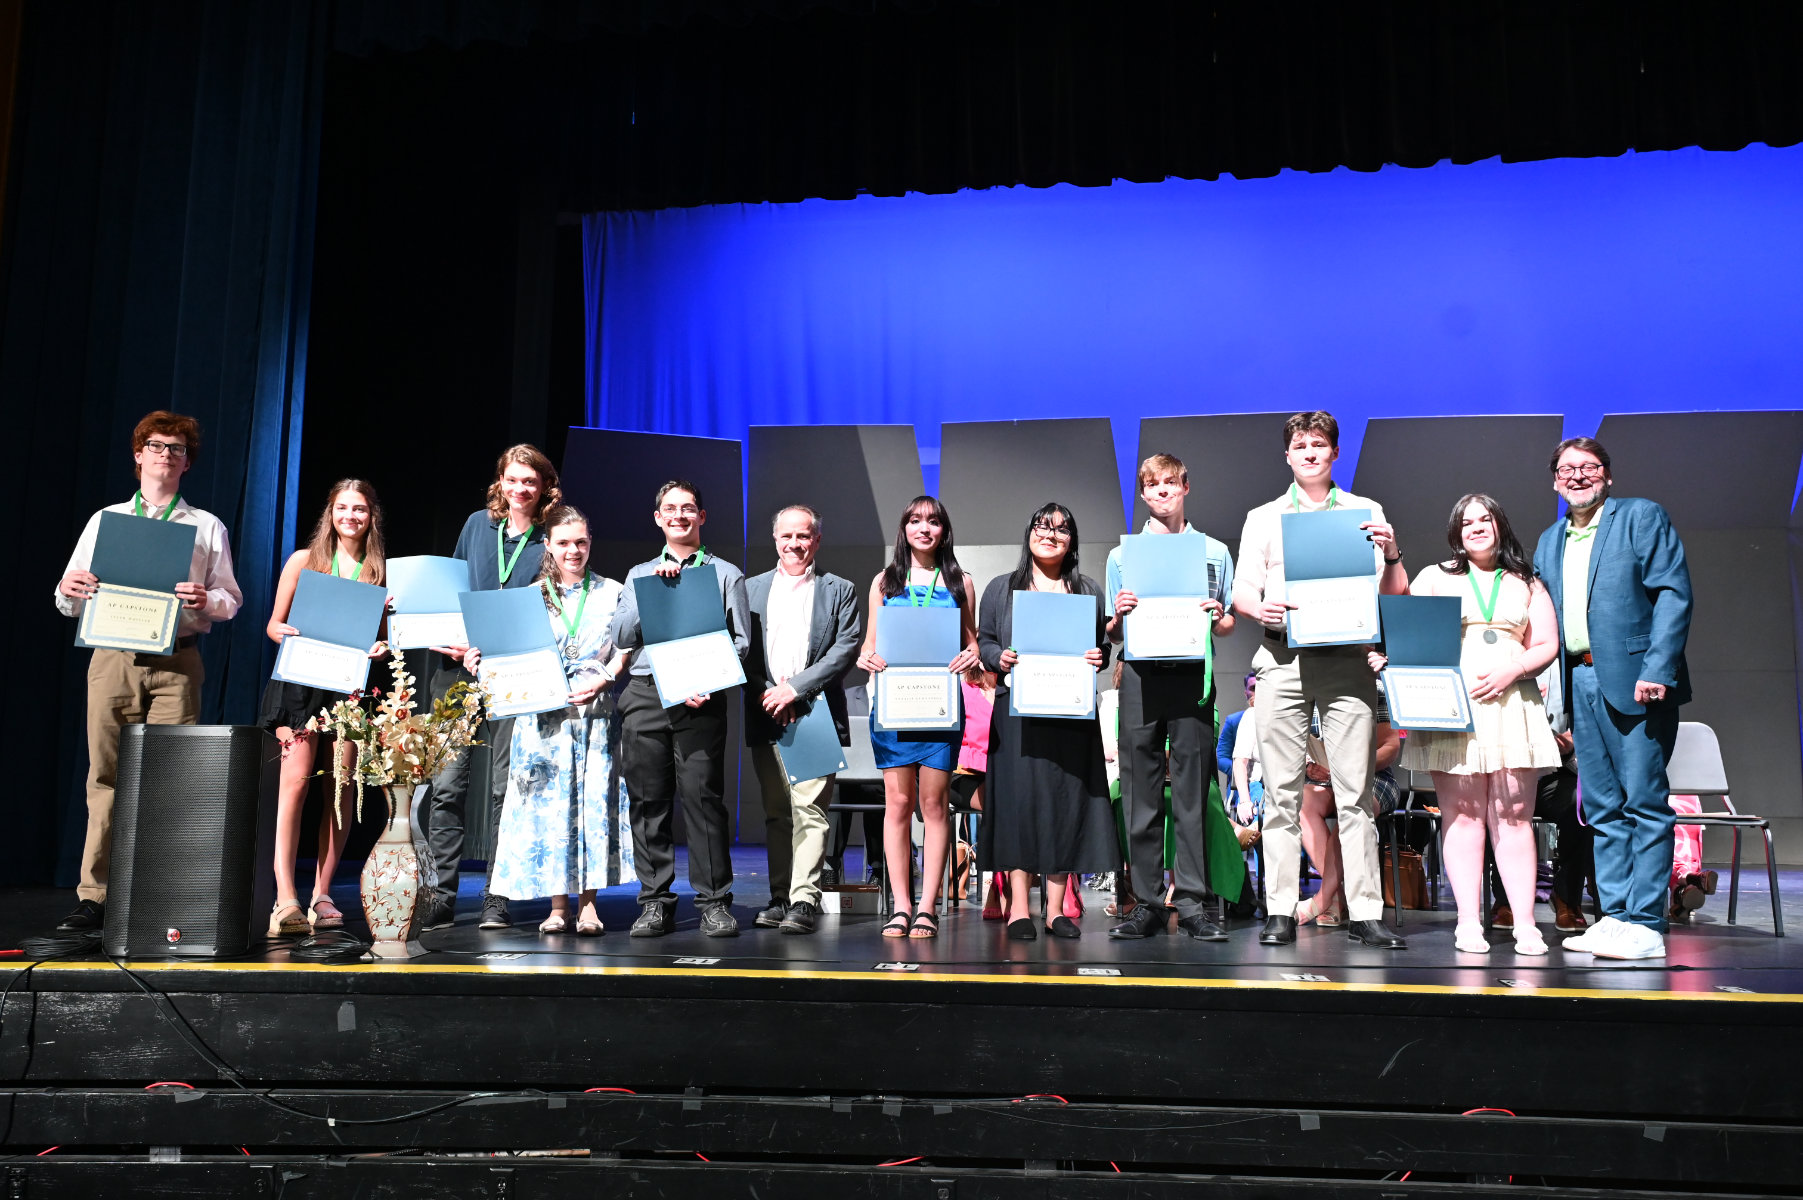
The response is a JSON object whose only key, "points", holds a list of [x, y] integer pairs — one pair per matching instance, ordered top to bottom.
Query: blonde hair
{"points": [[1160, 465]]}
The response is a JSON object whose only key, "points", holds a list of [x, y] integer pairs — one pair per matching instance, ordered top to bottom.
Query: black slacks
{"points": [[1161, 702], [669, 751], [442, 811]]}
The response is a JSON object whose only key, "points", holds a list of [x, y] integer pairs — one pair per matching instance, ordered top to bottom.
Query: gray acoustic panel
{"points": [[1235, 463], [1418, 467], [1711, 470], [994, 474], [613, 476], [859, 478]]}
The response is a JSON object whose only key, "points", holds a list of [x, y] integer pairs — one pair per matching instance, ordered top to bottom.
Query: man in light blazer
{"points": [[1616, 571], [804, 637]]}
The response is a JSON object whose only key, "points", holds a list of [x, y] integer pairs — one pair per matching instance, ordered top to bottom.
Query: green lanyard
{"points": [[1333, 497], [137, 505], [700, 555], [504, 565], [353, 575], [931, 588], [1488, 610], [570, 627]]}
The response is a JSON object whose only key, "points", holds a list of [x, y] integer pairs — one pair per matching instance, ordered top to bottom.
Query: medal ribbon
{"points": [[1333, 497], [137, 505], [700, 555], [504, 565], [356, 573], [931, 588], [1488, 610], [570, 627]]}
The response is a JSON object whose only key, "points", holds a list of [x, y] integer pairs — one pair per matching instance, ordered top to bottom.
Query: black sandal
{"points": [[897, 924], [929, 930]]}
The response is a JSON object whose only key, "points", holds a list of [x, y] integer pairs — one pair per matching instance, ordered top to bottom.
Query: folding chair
{"points": [[1696, 769], [1421, 784]]}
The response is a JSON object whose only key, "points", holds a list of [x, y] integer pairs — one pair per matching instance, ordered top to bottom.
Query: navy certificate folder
{"points": [[137, 552], [684, 607]]}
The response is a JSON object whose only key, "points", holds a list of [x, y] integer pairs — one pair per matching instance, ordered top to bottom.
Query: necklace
{"points": [[504, 565], [356, 568], [931, 588], [1487, 610], [570, 650]]}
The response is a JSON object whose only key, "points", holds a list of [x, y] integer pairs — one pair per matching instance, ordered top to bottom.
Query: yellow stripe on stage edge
{"points": [[1414, 989]]}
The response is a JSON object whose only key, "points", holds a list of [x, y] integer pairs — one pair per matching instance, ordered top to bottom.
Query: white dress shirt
{"points": [[211, 566], [788, 620]]}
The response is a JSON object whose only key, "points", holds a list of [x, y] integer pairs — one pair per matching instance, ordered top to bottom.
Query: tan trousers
{"points": [[1291, 683], [127, 689], [794, 827]]}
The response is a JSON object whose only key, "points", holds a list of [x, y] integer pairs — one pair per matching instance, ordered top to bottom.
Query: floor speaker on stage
{"points": [[193, 840]]}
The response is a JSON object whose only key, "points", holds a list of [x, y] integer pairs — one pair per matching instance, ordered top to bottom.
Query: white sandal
{"points": [[555, 923], [1528, 940]]}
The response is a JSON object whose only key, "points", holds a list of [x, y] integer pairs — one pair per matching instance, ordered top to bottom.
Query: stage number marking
{"points": [[501, 956], [695, 962], [898, 966], [1098, 970], [1308, 979], [1520, 983], [1724, 987]]}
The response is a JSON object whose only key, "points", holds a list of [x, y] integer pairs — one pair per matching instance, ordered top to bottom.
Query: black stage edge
{"points": [[976, 1067]]}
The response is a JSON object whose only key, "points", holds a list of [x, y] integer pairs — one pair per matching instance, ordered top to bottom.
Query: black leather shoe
{"points": [[442, 914], [494, 914], [89, 916], [771, 916], [802, 917], [654, 921], [717, 921], [1143, 921], [1062, 926], [1201, 927], [1022, 930], [1278, 931], [1376, 933]]}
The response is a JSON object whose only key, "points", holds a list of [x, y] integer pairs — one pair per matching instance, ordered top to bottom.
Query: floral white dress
{"points": [[565, 825]]}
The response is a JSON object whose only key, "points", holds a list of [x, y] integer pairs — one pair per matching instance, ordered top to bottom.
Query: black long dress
{"points": [[1045, 798]]}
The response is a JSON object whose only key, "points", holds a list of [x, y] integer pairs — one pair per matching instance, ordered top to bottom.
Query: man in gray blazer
{"points": [[804, 637]]}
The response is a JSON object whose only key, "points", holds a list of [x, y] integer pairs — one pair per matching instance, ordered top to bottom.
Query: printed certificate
{"points": [[1332, 612], [127, 618], [1168, 627], [417, 631], [313, 663], [694, 666], [521, 684], [1053, 685], [1428, 698], [918, 699]]}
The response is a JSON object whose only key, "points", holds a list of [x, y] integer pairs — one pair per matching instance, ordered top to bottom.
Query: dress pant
{"points": [[1291, 683], [125, 688], [1159, 702], [668, 750], [1622, 760], [444, 804], [795, 827]]}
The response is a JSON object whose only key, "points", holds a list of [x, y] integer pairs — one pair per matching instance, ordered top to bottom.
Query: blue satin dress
{"points": [[936, 750]]}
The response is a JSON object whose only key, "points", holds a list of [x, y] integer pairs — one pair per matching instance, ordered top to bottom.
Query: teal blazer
{"points": [[1639, 601]]}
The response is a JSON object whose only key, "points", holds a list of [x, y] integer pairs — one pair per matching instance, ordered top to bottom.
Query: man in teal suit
{"points": [[1616, 571]]}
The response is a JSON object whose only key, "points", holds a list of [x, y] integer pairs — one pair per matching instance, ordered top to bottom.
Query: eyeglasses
{"points": [[172, 449], [1586, 469], [687, 510], [1046, 527]]}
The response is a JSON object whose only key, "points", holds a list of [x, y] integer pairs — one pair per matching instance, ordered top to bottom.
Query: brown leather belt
{"points": [[1584, 660]]}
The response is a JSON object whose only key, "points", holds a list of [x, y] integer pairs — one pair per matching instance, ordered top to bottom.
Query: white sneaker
{"points": [[1598, 934], [1469, 939], [1633, 941]]}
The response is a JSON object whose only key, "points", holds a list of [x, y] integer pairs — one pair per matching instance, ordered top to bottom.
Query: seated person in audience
{"points": [[1224, 745], [1691, 881], [1327, 907]]}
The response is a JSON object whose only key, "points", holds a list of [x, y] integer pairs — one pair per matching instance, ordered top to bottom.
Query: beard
{"points": [[1588, 499]]}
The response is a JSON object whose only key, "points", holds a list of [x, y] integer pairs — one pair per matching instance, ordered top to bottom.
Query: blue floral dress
{"points": [[564, 826]]}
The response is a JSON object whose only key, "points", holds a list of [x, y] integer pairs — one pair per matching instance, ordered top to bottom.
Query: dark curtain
{"points": [[158, 255]]}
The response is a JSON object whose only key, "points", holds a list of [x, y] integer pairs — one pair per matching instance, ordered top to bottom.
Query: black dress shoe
{"points": [[494, 913], [442, 914], [771, 916], [89, 917], [802, 917], [1144, 920], [654, 921], [717, 921], [1062, 926], [1202, 928], [1021, 930], [1278, 931], [1376, 933]]}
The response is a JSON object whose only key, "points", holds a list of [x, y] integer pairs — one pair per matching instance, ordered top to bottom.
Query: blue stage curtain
{"points": [[159, 255]]}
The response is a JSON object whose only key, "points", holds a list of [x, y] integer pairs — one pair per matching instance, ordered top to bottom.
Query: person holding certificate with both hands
{"points": [[346, 542], [1295, 680], [127, 687], [917, 767], [1489, 777], [1046, 807]]}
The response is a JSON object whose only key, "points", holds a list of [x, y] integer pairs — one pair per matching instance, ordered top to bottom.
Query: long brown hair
{"points": [[525, 455], [563, 514], [325, 538], [951, 575]]}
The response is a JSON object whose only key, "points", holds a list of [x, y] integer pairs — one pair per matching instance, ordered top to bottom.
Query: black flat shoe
{"points": [[1063, 927], [1021, 930], [1278, 931], [1376, 934]]}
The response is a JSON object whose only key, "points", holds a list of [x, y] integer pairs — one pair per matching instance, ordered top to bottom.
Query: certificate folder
{"points": [[138, 562], [1166, 564], [1330, 573], [1171, 576], [427, 612], [339, 620], [683, 622], [1053, 623], [1052, 632], [918, 637], [520, 665], [1423, 685], [916, 694], [809, 747]]}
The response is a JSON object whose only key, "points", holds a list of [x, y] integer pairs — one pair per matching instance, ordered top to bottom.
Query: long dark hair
{"points": [[1509, 554], [895, 575], [1022, 579]]}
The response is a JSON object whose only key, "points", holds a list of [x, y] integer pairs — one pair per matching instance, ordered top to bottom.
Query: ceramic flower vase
{"points": [[393, 890]]}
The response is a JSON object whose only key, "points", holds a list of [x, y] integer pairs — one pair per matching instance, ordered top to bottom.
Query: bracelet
{"points": [[1393, 561]]}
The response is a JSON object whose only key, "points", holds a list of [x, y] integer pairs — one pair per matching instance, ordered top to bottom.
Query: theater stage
{"points": [[777, 1065]]}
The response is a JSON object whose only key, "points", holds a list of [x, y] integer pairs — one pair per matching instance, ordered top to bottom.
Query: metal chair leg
{"points": [[1396, 872], [1771, 874], [1734, 880]]}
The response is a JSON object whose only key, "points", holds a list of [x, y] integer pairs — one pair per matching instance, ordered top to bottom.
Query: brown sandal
{"points": [[325, 914]]}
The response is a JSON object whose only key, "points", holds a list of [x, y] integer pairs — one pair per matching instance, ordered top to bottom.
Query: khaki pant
{"points": [[1291, 683], [127, 689], [795, 827]]}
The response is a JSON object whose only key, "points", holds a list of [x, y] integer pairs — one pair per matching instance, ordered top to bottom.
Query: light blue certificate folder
{"points": [[1330, 545], [1169, 564], [425, 588], [685, 608], [340, 612], [508, 621], [1057, 625], [1422, 638], [917, 642], [809, 747]]}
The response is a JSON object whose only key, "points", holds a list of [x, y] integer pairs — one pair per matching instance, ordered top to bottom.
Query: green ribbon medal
{"points": [[1333, 497], [137, 505], [504, 565], [356, 568], [931, 588], [1487, 610], [570, 625]]}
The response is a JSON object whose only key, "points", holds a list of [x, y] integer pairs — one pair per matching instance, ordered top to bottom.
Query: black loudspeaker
{"points": [[193, 840]]}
